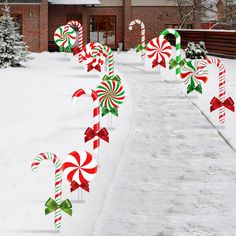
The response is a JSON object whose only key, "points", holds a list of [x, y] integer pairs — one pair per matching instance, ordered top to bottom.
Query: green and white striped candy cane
{"points": [[107, 52], [177, 62], [58, 180]]}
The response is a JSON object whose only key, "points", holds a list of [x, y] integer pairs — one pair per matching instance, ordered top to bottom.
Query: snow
{"points": [[207, 30], [166, 170]]}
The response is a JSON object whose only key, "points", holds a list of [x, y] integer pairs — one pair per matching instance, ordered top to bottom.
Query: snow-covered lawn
{"points": [[166, 170]]}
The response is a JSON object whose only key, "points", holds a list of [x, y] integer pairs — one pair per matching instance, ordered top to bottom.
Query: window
{"points": [[74, 16], [102, 29]]}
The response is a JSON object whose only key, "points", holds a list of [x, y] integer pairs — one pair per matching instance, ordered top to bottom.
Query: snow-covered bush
{"points": [[13, 50], [196, 51]]}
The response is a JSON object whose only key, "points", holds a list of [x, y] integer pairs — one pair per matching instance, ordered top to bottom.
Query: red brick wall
{"points": [[154, 19], [127, 20], [30, 24], [43, 26], [38, 29]]}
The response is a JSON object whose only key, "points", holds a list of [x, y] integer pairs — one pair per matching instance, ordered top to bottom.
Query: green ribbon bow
{"points": [[140, 48], [63, 49], [173, 63], [116, 78], [191, 87], [113, 111], [65, 206]]}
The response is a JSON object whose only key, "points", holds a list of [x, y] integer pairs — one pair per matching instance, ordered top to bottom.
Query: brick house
{"points": [[104, 21]]}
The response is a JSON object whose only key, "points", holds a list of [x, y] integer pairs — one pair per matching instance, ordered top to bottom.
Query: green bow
{"points": [[140, 48], [63, 49], [173, 63], [116, 78], [191, 87], [113, 111], [65, 206]]}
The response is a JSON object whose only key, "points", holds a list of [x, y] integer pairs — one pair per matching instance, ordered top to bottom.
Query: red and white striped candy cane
{"points": [[139, 22], [80, 34], [107, 52], [87, 54], [220, 66], [96, 114], [47, 156]]}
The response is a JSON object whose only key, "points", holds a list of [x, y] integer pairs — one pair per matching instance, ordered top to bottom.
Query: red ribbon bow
{"points": [[76, 51], [156, 63], [91, 67], [216, 103], [102, 133], [74, 185]]}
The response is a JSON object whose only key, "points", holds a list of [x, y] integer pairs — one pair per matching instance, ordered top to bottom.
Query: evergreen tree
{"points": [[12, 50]]}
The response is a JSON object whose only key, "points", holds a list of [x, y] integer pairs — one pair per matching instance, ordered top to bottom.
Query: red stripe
{"points": [[78, 93], [94, 95], [96, 111], [96, 127], [96, 144], [44, 156], [76, 156], [54, 159], [88, 159], [35, 164], [66, 165], [57, 170], [91, 171], [58, 182], [58, 195], [57, 220]]}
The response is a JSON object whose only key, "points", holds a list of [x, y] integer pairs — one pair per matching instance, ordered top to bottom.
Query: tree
{"points": [[187, 11], [198, 11], [227, 15], [13, 50]]}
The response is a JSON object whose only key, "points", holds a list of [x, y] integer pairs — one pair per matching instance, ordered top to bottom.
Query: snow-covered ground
{"points": [[166, 170]]}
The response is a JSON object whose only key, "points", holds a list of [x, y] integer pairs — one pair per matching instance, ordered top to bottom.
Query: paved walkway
{"points": [[177, 176]]}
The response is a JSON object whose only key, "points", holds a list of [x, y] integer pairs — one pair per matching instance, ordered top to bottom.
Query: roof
{"points": [[75, 2]]}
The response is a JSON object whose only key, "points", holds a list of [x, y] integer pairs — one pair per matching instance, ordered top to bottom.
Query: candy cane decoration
{"points": [[139, 22], [80, 34], [64, 36], [159, 50], [107, 52], [89, 60], [177, 60], [191, 75], [222, 103], [96, 114], [79, 168], [58, 180]]}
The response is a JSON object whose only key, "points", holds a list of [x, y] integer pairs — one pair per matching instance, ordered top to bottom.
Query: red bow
{"points": [[76, 51], [156, 63], [91, 67], [216, 103], [102, 133], [74, 185]]}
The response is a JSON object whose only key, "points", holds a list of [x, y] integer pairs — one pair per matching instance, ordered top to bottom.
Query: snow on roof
{"points": [[75, 2], [208, 30]]}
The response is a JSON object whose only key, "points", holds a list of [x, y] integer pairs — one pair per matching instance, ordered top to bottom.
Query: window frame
{"points": [[115, 30]]}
